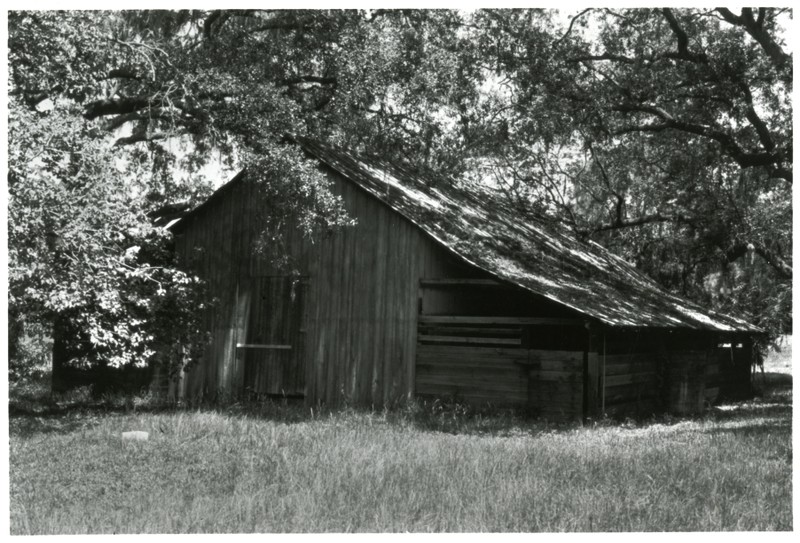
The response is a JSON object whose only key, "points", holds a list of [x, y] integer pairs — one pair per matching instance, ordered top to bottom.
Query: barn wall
{"points": [[212, 244], [361, 296], [363, 301], [357, 334], [535, 361], [680, 372], [477, 375], [631, 383]]}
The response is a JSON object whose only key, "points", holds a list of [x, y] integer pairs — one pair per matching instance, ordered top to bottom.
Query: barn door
{"points": [[273, 353]]}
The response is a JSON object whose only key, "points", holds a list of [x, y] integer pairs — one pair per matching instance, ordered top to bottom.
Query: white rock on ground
{"points": [[139, 436]]}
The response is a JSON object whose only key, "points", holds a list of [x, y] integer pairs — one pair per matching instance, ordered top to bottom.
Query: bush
{"points": [[31, 359]]}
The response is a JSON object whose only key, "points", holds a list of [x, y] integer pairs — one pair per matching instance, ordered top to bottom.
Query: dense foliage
{"points": [[664, 134], [83, 252]]}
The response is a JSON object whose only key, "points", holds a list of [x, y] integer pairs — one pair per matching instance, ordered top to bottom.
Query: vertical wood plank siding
{"points": [[360, 302]]}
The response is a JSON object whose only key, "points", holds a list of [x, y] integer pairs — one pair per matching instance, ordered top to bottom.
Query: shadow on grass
{"points": [[770, 380], [34, 409], [44, 412], [54, 416], [758, 427]]}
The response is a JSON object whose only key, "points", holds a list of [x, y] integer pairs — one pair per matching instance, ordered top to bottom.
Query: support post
{"points": [[590, 373], [603, 379]]}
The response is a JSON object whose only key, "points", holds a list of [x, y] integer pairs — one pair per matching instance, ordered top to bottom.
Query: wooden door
{"points": [[273, 354]]}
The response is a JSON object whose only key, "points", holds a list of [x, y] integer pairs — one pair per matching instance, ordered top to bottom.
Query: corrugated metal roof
{"points": [[544, 258]]}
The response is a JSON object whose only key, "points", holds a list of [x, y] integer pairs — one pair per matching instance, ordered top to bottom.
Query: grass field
{"points": [[285, 469]]}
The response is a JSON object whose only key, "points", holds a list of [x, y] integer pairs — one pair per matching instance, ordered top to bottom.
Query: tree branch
{"points": [[762, 12], [209, 23], [571, 23], [683, 40], [683, 52], [603, 56], [781, 60], [123, 73], [115, 106], [155, 113], [761, 128], [141, 136], [771, 159], [620, 205], [639, 221], [781, 267]]}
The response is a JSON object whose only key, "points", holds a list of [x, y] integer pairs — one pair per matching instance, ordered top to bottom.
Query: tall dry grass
{"points": [[286, 469]]}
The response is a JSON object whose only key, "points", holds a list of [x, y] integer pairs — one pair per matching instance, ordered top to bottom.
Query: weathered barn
{"points": [[439, 292]]}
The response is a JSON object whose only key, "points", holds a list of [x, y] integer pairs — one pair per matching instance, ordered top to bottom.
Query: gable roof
{"points": [[541, 257]]}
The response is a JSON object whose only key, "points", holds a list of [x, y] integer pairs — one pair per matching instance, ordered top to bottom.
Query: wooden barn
{"points": [[437, 292]]}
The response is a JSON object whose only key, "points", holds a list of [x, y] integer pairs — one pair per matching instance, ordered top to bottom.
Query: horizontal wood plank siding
{"points": [[450, 319], [465, 364], [671, 373], [473, 374], [684, 377], [631, 382], [555, 386]]}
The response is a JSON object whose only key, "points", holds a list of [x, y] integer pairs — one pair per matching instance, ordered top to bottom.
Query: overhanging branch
{"points": [[571, 24], [755, 27], [683, 40], [115, 106], [141, 137], [771, 159], [620, 223], [781, 267]]}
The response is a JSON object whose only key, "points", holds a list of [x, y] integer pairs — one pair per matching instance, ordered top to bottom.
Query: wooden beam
{"points": [[438, 283], [549, 321], [445, 330], [470, 340], [259, 346], [590, 373], [631, 378], [603, 379]]}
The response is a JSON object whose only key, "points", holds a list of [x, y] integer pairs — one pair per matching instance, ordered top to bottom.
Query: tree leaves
{"points": [[660, 133], [665, 134], [82, 250]]}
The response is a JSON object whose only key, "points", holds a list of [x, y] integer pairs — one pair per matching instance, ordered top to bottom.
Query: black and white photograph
{"points": [[321, 269]]}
